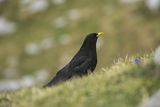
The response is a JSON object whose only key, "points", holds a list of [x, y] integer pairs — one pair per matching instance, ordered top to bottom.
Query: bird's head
{"points": [[93, 36], [91, 39]]}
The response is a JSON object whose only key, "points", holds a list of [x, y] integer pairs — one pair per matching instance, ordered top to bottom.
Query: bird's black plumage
{"points": [[85, 60]]}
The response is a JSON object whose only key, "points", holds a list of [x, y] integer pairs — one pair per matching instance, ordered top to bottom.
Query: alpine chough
{"points": [[84, 61]]}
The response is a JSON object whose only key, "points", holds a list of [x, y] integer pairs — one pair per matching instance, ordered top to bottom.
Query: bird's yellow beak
{"points": [[100, 34]]}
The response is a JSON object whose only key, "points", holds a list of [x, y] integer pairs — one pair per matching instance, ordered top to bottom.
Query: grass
{"points": [[122, 24], [130, 29], [124, 84]]}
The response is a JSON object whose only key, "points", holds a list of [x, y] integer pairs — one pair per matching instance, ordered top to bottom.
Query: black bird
{"points": [[84, 61]]}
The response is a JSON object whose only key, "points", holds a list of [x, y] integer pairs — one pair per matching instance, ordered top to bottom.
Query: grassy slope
{"points": [[122, 85]]}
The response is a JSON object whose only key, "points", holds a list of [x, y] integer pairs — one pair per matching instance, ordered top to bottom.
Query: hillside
{"points": [[124, 84]]}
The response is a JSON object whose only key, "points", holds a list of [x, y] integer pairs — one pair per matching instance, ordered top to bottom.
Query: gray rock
{"points": [[153, 101]]}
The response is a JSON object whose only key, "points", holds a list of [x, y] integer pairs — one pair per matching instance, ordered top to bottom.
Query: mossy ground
{"points": [[124, 84]]}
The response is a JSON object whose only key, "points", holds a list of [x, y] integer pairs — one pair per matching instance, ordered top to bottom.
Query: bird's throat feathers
{"points": [[89, 44]]}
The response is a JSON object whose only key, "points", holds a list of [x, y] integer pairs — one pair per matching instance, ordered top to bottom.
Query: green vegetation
{"points": [[129, 29], [124, 84]]}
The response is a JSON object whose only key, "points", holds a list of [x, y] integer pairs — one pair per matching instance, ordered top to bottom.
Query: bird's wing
{"points": [[76, 61], [80, 66]]}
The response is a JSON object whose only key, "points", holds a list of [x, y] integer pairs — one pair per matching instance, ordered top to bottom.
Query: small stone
{"points": [[58, 2], [38, 5], [153, 5], [74, 14], [60, 22], [6, 27], [64, 39], [47, 43], [32, 49], [157, 56], [41, 75]]}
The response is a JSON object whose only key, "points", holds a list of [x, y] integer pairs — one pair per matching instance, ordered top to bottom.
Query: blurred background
{"points": [[38, 37]]}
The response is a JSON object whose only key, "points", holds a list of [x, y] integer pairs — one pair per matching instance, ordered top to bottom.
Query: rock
{"points": [[153, 101]]}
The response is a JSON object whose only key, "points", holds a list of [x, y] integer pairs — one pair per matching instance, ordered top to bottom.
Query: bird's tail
{"points": [[57, 79], [54, 81]]}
